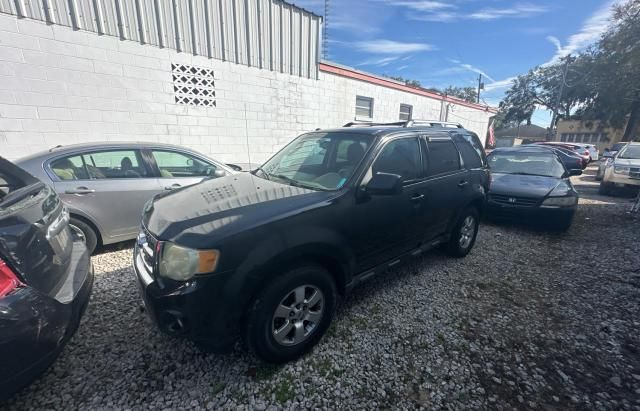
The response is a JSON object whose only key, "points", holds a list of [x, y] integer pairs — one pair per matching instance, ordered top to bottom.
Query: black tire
{"points": [[604, 189], [90, 236], [456, 247], [261, 317]]}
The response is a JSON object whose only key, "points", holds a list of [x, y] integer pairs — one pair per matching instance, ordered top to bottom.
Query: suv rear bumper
{"points": [[40, 325]]}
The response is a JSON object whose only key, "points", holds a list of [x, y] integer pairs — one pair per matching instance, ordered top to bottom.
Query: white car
{"points": [[593, 150], [623, 170]]}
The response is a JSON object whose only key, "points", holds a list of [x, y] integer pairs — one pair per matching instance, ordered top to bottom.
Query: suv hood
{"points": [[627, 162], [522, 185], [219, 207]]}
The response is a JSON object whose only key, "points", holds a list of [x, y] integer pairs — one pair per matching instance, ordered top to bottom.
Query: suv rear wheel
{"points": [[463, 235], [291, 314]]}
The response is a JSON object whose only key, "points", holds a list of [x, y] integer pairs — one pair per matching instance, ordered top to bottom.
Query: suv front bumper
{"points": [[196, 309]]}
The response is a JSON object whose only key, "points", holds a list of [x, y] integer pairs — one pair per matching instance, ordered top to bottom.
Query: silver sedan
{"points": [[106, 185]]}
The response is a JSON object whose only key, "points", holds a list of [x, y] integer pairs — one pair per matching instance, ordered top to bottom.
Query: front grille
{"points": [[634, 172], [514, 200], [146, 249]]}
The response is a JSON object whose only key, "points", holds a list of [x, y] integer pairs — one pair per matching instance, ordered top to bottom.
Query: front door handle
{"points": [[463, 183], [172, 186], [80, 190], [417, 197]]}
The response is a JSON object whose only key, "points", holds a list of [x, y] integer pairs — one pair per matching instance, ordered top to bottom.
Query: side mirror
{"points": [[234, 167], [575, 172], [384, 184]]}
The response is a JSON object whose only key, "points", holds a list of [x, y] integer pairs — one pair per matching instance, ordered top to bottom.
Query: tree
{"points": [[613, 81], [410, 83], [602, 83], [469, 94], [520, 100]]}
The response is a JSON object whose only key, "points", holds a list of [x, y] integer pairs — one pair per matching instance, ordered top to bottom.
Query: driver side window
{"points": [[401, 157], [175, 165]]}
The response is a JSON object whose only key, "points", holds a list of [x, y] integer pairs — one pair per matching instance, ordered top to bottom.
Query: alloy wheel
{"points": [[467, 232], [298, 315]]}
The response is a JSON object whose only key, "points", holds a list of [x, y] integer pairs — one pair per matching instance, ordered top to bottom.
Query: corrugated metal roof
{"points": [[269, 34]]}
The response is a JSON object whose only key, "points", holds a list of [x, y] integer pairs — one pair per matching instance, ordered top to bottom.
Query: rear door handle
{"points": [[463, 183], [172, 186], [80, 190], [417, 197]]}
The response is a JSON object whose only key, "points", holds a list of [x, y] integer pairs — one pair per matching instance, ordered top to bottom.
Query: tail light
{"points": [[586, 153], [8, 279]]}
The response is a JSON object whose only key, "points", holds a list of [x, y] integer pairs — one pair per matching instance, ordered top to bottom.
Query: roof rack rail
{"points": [[409, 123], [434, 123], [372, 124]]}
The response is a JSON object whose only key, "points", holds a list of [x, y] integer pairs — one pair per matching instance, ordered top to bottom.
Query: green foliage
{"points": [[410, 83], [602, 83], [469, 94]]}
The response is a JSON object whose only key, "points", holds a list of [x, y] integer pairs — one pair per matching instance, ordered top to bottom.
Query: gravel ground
{"points": [[530, 319]]}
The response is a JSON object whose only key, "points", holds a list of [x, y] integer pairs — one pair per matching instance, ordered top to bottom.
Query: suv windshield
{"points": [[631, 152], [320, 160], [539, 164]]}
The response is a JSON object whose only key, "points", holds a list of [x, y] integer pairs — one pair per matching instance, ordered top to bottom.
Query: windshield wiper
{"points": [[264, 173], [295, 183]]}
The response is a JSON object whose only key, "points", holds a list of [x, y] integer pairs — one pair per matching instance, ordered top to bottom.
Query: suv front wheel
{"points": [[463, 235], [291, 314]]}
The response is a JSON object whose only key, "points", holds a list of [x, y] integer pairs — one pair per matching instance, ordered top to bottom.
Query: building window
{"points": [[193, 85], [364, 107], [406, 112]]}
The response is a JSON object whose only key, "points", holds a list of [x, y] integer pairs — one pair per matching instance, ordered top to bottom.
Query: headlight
{"points": [[621, 170], [562, 189], [560, 201], [182, 263]]}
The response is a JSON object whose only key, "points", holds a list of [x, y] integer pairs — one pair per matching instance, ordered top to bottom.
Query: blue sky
{"points": [[448, 42]]}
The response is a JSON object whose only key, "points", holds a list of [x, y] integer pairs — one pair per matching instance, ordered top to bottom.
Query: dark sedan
{"points": [[531, 184], [45, 278]]}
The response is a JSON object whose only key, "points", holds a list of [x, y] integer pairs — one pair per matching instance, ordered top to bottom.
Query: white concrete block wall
{"points": [[59, 86]]}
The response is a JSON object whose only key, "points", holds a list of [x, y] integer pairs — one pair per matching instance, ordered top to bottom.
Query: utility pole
{"points": [[480, 87], [551, 133]]}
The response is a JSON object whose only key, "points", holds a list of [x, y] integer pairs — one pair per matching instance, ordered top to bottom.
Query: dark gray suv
{"points": [[265, 254]]}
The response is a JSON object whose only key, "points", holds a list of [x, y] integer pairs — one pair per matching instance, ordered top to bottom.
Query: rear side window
{"points": [[471, 150], [443, 157], [100, 165]]}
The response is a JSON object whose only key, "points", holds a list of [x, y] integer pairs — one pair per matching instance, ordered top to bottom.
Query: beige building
{"points": [[592, 132]]}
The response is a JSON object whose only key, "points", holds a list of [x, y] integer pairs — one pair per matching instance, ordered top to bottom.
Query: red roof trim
{"points": [[356, 75]]}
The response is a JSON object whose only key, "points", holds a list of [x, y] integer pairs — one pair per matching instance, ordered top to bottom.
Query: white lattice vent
{"points": [[193, 85]]}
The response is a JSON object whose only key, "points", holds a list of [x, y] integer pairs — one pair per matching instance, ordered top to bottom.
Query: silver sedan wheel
{"points": [[467, 231], [298, 315]]}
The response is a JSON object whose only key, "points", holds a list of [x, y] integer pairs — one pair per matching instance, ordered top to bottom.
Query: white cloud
{"points": [[420, 5], [517, 11], [590, 32], [554, 40], [382, 46], [381, 62], [402, 67], [476, 70], [500, 84]]}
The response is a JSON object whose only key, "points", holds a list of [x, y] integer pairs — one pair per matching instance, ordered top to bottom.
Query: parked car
{"points": [[577, 148], [569, 158], [607, 158], [623, 170], [531, 183], [105, 185], [265, 254], [45, 278]]}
